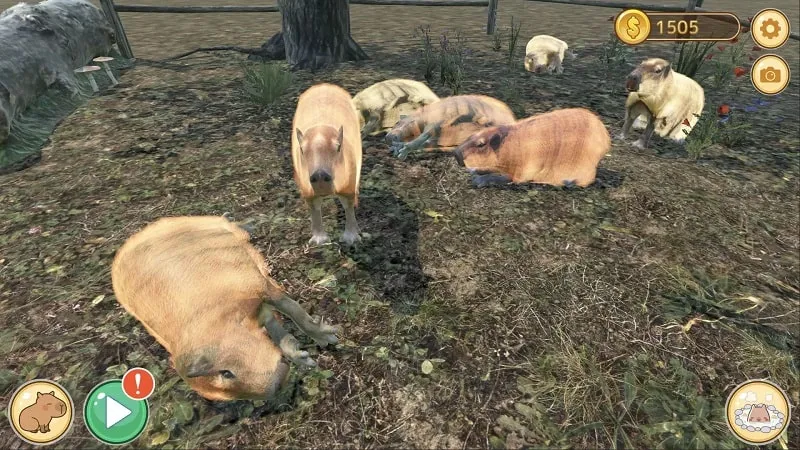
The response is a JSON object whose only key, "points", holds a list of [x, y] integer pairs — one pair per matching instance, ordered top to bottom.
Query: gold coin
{"points": [[632, 26], [770, 28], [770, 74], [41, 412], [757, 412]]}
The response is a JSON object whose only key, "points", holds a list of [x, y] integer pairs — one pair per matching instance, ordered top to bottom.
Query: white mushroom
{"points": [[104, 60], [88, 71]]}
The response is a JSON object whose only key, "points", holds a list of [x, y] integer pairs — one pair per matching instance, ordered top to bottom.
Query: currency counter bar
{"points": [[634, 26]]}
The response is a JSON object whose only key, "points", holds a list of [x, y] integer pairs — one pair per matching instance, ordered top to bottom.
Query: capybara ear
{"points": [[667, 69], [299, 137], [341, 138], [497, 138], [195, 365], [53, 393], [38, 394]]}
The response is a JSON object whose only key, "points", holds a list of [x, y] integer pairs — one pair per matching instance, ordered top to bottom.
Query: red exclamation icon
{"points": [[138, 383]]}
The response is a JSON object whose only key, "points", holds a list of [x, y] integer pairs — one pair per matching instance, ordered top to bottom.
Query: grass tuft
{"points": [[264, 83]]}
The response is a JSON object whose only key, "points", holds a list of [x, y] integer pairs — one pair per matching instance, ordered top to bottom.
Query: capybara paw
{"points": [[640, 144], [398, 148], [350, 238], [319, 239], [324, 334], [291, 349]]}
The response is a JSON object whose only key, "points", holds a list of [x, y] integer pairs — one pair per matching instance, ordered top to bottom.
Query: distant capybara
{"points": [[545, 53], [661, 100], [381, 105], [445, 124], [559, 147], [326, 153], [204, 292], [36, 417]]}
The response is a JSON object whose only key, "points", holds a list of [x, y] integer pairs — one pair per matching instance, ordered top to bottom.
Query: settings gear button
{"points": [[770, 28]]}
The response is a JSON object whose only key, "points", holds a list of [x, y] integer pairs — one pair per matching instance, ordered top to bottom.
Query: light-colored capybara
{"points": [[545, 54], [661, 100], [381, 105], [445, 124], [560, 147], [326, 153], [204, 292], [36, 417]]}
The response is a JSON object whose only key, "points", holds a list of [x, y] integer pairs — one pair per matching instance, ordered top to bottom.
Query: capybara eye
{"points": [[227, 374]]}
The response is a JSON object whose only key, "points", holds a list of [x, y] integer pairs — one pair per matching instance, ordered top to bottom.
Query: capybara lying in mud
{"points": [[661, 100], [381, 105], [447, 123], [561, 147], [326, 153], [204, 292]]}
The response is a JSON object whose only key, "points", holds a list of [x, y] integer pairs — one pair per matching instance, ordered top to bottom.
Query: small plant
{"points": [[513, 35], [497, 41], [452, 53], [614, 55], [691, 56], [429, 58], [264, 83], [509, 93], [703, 135]]}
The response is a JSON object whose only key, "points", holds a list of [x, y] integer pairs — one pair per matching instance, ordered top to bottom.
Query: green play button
{"points": [[113, 417]]}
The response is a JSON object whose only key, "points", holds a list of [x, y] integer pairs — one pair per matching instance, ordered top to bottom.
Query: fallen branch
{"points": [[230, 48]]}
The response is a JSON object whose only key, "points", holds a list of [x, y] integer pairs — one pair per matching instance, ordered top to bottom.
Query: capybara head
{"points": [[536, 63], [648, 77], [406, 128], [321, 147], [480, 151], [238, 363], [50, 404]]}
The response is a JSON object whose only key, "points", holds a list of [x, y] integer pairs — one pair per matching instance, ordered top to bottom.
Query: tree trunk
{"points": [[316, 34]]}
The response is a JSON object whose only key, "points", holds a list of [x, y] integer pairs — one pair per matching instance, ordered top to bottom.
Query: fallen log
{"points": [[41, 44]]}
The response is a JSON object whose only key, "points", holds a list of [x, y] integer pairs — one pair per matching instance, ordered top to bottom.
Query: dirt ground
{"points": [[617, 315]]}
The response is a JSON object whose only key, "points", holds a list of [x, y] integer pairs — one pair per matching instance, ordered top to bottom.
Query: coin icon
{"points": [[632, 26], [770, 28], [770, 74], [41, 412], [757, 412]]}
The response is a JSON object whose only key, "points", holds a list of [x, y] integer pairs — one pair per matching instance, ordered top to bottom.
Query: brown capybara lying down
{"points": [[445, 124], [561, 147], [326, 155], [204, 293]]}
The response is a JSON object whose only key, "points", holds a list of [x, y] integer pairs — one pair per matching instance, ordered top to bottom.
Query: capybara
{"points": [[545, 53], [661, 100], [381, 105], [445, 124], [561, 147], [326, 153], [204, 292], [759, 413], [36, 417]]}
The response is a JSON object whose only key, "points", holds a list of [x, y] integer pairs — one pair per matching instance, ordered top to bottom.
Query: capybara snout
{"points": [[633, 80], [320, 176]]}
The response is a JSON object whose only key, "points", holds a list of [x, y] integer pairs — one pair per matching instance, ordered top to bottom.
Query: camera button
{"points": [[770, 74]]}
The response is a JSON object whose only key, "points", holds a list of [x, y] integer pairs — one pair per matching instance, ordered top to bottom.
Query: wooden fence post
{"points": [[491, 22], [119, 31]]}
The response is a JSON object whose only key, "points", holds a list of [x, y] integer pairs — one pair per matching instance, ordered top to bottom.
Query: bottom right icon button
{"points": [[770, 74], [757, 412]]}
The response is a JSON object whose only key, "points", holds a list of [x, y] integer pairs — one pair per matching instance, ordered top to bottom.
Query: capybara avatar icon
{"points": [[759, 413], [36, 417]]}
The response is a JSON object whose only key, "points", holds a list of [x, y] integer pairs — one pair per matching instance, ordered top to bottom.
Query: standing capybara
{"points": [[545, 53], [661, 100], [381, 105], [447, 123], [560, 147], [326, 153], [204, 292], [36, 417]]}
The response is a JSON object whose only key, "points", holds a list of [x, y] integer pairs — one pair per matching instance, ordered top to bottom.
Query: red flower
{"points": [[721, 47], [756, 48], [709, 56], [739, 71], [723, 110], [686, 122]]}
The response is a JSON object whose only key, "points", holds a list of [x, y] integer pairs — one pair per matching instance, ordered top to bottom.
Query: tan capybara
{"points": [[545, 54], [661, 100], [381, 105], [445, 124], [561, 147], [326, 153], [204, 292], [759, 413], [36, 417]]}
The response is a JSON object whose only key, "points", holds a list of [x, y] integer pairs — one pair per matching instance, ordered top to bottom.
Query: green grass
{"points": [[266, 82]]}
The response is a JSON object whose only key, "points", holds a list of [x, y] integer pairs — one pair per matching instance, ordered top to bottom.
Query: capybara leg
{"points": [[557, 68], [631, 114], [371, 125], [644, 139], [401, 151], [490, 179], [248, 227], [318, 234], [350, 235], [321, 333], [287, 343], [43, 428]]}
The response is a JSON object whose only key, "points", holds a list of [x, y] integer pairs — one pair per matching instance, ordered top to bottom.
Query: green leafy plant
{"points": [[513, 36], [497, 40], [452, 54], [614, 56], [690, 57], [429, 58], [264, 83], [704, 134]]}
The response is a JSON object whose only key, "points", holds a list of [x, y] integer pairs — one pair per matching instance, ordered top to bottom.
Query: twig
{"points": [[231, 48]]}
